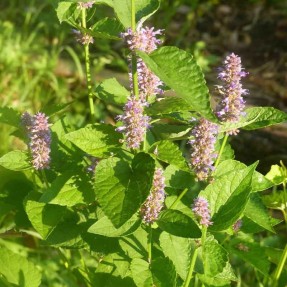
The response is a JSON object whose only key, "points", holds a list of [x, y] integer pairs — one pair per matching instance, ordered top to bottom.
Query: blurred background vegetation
{"points": [[42, 65]]}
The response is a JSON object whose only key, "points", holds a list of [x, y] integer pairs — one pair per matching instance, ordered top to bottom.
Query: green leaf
{"points": [[143, 8], [67, 11], [107, 28], [178, 69], [112, 92], [55, 108], [10, 117], [256, 118], [172, 132], [98, 140], [170, 153], [15, 160], [276, 174], [178, 179], [259, 181], [69, 189], [121, 190], [228, 196], [275, 200], [257, 212], [44, 217], [177, 223], [105, 227], [179, 250], [251, 253], [214, 257], [18, 270], [161, 273]]}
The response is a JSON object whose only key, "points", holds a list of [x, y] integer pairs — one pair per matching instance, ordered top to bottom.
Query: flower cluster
{"points": [[85, 5], [84, 39], [144, 39], [232, 104], [135, 122], [39, 134], [203, 146], [93, 161], [154, 203], [201, 209], [237, 225]]}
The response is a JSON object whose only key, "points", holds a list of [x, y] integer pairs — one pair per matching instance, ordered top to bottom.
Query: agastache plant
{"points": [[85, 5], [231, 105], [39, 135], [203, 148], [155, 201], [201, 210]]}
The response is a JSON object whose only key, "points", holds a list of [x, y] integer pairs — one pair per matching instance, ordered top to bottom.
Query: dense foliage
{"points": [[155, 198]]}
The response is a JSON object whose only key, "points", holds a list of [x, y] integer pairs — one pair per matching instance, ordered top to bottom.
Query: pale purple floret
{"points": [[85, 5], [84, 39], [144, 39], [231, 104], [135, 123], [39, 134], [203, 148], [93, 161], [154, 203], [200, 208], [237, 225]]}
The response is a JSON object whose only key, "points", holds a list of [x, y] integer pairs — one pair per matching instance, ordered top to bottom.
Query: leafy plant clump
{"points": [[151, 196]]}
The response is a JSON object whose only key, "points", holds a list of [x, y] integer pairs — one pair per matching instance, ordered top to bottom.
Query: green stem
{"points": [[134, 57], [88, 69], [221, 150], [44, 177], [178, 199], [285, 202], [149, 244], [281, 264], [191, 268]]}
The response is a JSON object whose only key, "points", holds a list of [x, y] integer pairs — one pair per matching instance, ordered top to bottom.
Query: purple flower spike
{"points": [[85, 5], [84, 39], [232, 104], [135, 122], [39, 134], [203, 146], [154, 203], [201, 210], [237, 225]]}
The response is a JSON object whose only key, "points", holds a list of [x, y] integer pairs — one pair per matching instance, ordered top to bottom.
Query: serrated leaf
{"points": [[67, 11], [107, 28], [178, 70], [111, 91], [9, 116], [256, 118], [172, 132], [97, 140], [170, 153], [15, 160], [121, 189], [69, 190], [228, 196], [257, 212], [177, 223], [105, 227], [178, 250], [251, 253], [18, 270], [161, 273]]}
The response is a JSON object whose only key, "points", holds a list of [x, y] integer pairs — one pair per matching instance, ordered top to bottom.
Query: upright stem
{"points": [[134, 57], [88, 69], [221, 150], [44, 177], [179, 198], [149, 244], [280, 264], [191, 268]]}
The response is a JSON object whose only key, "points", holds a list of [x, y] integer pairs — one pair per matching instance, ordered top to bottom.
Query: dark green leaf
{"points": [[178, 69], [10, 117], [173, 132], [178, 224]]}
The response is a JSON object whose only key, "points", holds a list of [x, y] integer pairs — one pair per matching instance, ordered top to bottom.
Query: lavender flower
{"points": [[85, 5], [84, 39], [144, 39], [232, 104], [135, 122], [39, 134], [203, 146], [92, 165], [154, 203], [201, 209], [237, 225]]}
